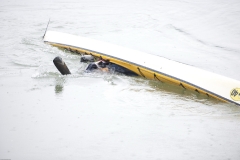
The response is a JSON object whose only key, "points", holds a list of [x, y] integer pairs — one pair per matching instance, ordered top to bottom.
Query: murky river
{"points": [[44, 115]]}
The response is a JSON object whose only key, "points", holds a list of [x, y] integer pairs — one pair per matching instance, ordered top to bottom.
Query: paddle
{"points": [[61, 66]]}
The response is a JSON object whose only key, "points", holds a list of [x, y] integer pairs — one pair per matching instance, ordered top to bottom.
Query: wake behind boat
{"points": [[151, 66]]}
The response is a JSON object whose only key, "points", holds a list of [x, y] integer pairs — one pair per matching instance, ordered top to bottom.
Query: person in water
{"points": [[98, 65], [102, 65], [106, 66]]}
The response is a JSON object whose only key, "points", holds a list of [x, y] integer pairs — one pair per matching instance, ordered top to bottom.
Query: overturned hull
{"points": [[152, 66]]}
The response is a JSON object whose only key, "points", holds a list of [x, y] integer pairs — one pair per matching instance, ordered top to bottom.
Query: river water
{"points": [[44, 115]]}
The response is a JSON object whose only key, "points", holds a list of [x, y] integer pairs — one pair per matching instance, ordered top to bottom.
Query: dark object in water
{"points": [[87, 58], [61, 66], [107, 66]]}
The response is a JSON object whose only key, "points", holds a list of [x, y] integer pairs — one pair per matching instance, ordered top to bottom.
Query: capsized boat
{"points": [[152, 66]]}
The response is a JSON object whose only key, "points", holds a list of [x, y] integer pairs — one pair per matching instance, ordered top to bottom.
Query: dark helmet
{"points": [[91, 67]]}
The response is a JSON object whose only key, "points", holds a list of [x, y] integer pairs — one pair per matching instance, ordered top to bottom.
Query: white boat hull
{"points": [[152, 66]]}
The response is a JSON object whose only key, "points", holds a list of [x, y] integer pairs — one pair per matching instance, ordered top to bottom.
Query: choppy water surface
{"points": [[44, 115]]}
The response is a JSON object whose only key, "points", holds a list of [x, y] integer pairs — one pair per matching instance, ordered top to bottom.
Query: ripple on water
{"points": [[167, 100]]}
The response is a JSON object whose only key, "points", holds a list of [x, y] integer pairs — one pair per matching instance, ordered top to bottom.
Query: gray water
{"points": [[44, 115]]}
